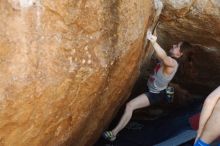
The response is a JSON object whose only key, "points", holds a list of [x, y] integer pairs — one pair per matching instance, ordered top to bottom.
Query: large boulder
{"points": [[197, 22], [66, 66]]}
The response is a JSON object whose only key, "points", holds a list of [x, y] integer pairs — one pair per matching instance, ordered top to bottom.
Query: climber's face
{"points": [[175, 50]]}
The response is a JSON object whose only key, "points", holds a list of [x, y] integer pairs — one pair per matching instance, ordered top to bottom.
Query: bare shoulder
{"points": [[170, 62], [217, 91], [214, 94]]}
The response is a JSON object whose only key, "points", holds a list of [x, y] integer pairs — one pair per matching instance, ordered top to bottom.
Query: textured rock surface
{"points": [[197, 22], [66, 66]]}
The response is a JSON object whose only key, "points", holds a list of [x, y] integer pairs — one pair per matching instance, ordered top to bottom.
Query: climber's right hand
{"points": [[151, 37]]}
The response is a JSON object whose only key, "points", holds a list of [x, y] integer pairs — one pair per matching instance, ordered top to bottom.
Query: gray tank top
{"points": [[158, 81]]}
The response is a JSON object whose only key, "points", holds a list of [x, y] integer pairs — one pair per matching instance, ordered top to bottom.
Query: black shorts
{"points": [[157, 97]]}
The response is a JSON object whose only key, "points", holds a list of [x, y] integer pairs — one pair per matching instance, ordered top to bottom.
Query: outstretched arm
{"points": [[158, 7], [162, 55], [207, 109]]}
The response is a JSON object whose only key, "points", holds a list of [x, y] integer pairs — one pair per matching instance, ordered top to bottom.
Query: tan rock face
{"points": [[192, 20], [197, 22], [66, 66]]}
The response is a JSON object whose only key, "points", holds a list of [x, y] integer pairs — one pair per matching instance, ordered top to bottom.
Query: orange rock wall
{"points": [[193, 20], [66, 66]]}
